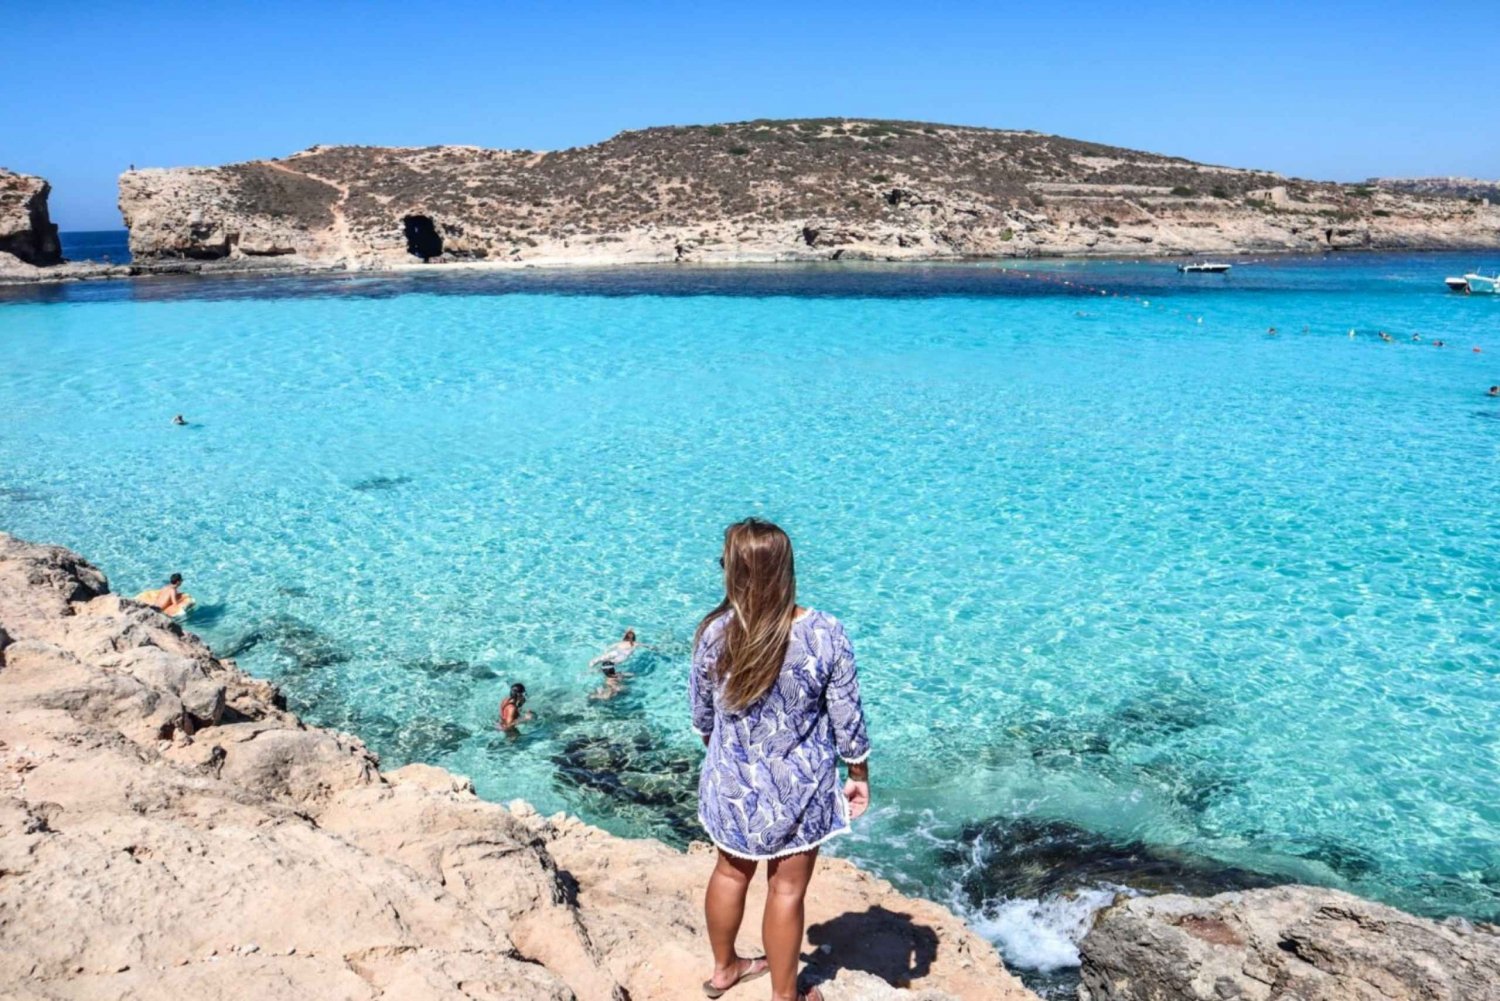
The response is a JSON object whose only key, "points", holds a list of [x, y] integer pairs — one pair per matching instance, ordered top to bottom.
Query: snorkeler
{"points": [[1494, 391], [180, 421], [609, 662], [510, 709]]}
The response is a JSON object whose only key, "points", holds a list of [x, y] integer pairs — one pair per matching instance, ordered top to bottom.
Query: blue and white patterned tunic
{"points": [[770, 785]]}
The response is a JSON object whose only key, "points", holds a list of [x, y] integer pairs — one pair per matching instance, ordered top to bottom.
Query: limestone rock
{"points": [[810, 189], [27, 233], [168, 829], [1291, 943]]}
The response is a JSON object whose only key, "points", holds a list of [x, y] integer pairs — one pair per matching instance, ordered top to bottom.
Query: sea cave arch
{"points": [[422, 237]]}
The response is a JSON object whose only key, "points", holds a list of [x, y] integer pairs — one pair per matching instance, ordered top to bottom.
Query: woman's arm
{"points": [[701, 689], [845, 710], [847, 713]]}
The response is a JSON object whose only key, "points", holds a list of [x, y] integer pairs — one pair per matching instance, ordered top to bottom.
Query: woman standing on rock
{"points": [[775, 697]]}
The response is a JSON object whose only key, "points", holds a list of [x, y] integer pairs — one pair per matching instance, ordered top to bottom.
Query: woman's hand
{"points": [[857, 792]]}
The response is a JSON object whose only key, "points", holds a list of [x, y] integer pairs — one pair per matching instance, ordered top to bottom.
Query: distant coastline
{"points": [[757, 192], [74, 270]]}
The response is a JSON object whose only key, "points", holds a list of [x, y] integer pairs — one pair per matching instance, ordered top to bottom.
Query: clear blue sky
{"points": [[1327, 90]]}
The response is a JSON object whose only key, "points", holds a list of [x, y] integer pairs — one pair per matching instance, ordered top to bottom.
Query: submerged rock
{"points": [[1027, 858], [1295, 943]]}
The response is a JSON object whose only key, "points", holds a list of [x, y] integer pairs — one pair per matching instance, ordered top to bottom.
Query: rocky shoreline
{"points": [[763, 191], [168, 828]]}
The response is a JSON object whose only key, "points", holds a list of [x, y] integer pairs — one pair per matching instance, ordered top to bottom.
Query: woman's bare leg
{"points": [[724, 906], [781, 928]]}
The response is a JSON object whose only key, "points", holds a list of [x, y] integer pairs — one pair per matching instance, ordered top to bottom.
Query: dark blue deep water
{"points": [[112, 245]]}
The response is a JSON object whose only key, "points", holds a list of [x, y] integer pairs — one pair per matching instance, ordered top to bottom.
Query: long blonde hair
{"points": [[760, 588]]}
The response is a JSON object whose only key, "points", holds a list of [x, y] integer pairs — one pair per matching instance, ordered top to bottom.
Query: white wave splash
{"points": [[1043, 935]]}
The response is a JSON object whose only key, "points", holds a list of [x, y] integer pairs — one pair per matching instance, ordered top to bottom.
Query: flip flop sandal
{"points": [[750, 974], [811, 994]]}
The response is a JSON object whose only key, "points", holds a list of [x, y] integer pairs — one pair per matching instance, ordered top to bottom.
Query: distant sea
{"points": [[112, 245], [1143, 594]]}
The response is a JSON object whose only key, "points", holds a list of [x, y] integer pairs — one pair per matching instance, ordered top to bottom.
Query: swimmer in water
{"points": [[1270, 331], [1351, 333], [1385, 337], [1416, 338], [1439, 344], [1494, 391], [180, 420], [170, 595], [610, 660], [510, 709]]}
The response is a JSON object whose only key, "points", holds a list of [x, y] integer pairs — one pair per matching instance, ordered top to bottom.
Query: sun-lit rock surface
{"points": [[767, 191], [27, 234], [168, 829], [1288, 943]]}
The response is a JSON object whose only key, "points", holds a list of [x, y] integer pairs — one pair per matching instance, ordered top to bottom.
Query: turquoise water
{"points": [[1142, 596]]}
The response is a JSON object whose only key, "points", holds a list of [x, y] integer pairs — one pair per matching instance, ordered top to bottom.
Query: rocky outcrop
{"points": [[766, 191], [27, 233], [168, 829], [1291, 943]]}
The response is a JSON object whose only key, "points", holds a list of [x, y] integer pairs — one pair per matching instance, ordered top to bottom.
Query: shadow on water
{"points": [[375, 484], [21, 495], [204, 616], [297, 647], [443, 670], [418, 738]]}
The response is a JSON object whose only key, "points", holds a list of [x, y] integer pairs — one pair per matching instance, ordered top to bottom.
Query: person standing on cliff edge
{"points": [[775, 696]]}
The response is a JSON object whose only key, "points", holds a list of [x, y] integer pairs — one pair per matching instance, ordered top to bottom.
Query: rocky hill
{"points": [[1471, 188], [765, 190], [27, 233], [169, 830]]}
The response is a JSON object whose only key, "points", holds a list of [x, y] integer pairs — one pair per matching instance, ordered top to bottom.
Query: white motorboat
{"points": [[1203, 267], [1474, 282]]}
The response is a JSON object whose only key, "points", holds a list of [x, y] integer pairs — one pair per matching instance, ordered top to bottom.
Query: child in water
{"points": [[510, 709]]}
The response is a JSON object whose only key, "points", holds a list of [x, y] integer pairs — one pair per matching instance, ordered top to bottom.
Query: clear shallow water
{"points": [[1139, 600]]}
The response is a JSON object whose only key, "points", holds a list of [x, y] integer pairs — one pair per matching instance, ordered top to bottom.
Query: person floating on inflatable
{"points": [[170, 599]]}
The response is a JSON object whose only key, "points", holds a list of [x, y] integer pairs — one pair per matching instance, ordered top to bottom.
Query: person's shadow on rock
{"points": [[882, 942]]}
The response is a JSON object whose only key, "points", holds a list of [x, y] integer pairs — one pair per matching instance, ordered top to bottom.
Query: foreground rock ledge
{"points": [[168, 829], [1291, 943]]}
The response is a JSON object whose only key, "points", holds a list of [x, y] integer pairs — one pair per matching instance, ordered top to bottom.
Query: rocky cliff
{"points": [[766, 190], [27, 233], [168, 829], [1290, 943]]}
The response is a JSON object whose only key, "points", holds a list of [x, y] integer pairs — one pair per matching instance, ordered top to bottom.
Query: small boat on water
{"points": [[1203, 267], [1474, 282]]}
